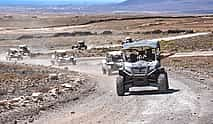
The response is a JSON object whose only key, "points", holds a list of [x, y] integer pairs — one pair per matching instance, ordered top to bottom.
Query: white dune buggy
{"points": [[14, 53], [60, 57], [112, 62]]}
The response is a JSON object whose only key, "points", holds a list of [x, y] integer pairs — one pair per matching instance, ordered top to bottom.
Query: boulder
{"points": [[106, 33], [53, 77], [69, 86], [54, 92], [35, 95], [3, 102]]}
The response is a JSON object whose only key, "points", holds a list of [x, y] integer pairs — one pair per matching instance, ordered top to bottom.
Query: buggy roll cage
{"points": [[140, 46]]}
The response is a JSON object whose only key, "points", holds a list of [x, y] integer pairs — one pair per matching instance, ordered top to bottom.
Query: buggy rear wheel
{"points": [[85, 47], [20, 58], [52, 62], [59, 63], [103, 71], [109, 72]]}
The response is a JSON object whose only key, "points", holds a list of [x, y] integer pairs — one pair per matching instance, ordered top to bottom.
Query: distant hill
{"points": [[136, 2], [191, 6]]}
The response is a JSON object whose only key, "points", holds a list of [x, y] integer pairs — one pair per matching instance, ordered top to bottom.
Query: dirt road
{"points": [[195, 53], [187, 101]]}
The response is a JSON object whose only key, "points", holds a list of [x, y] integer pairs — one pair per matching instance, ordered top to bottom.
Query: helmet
{"points": [[128, 38]]}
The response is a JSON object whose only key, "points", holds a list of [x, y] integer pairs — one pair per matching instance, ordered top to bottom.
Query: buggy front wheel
{"points": [[74, 62], [163, 82], [120, 87]]}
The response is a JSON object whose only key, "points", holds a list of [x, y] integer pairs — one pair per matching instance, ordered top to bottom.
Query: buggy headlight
{"points": [[111, 63], [119, 64], [150, 68]]}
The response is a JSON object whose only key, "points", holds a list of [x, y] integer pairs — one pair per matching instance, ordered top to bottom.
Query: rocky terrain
{"points": [[198, 43], [199, 67], [26, 90]]}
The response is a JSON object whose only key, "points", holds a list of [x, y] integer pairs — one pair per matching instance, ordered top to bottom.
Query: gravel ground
{"points": [[201, 66], [26, 90]]}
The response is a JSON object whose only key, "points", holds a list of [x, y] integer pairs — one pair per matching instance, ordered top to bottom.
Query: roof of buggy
{"points": [[80, 41], [142, 43], [23, 45], [13, 49], [60, 51], [115, 53]]}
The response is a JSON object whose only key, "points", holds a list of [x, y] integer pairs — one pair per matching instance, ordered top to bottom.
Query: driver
{"points": [[127, 40], [149, 55], [133, 57]]}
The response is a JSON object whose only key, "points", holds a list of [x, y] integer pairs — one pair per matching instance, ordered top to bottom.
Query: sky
{"points": [[57, 2]]}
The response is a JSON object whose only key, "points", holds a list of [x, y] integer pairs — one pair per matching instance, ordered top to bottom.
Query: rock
{"points": [[179, 31], [153, 32], [106, 33], [25, 37], [66, 68], [53, 76], [202, 79], [78, 80], [66, 85], [11, 90], [3, 91], [54, 92], [38, 94], [28, 98], [76, 98], [15, 100], [3, 102], [8, 106], [72, 113], [31, 120], [16, 122]]}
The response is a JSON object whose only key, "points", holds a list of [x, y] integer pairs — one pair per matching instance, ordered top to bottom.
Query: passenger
{"points": [[141, 55], [149, 55], [133, 57]]}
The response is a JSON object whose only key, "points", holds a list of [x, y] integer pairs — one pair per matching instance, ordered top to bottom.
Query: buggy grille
{"points": [[141, 70]]}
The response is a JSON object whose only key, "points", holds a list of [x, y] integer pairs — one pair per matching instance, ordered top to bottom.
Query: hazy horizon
{"points": [[58, 2]]}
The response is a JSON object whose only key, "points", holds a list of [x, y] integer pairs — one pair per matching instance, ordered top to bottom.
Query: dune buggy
{"points": [[81, 46], [24, 50], [14, 53], [61, 57], [112, 62], [141, 67]]}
